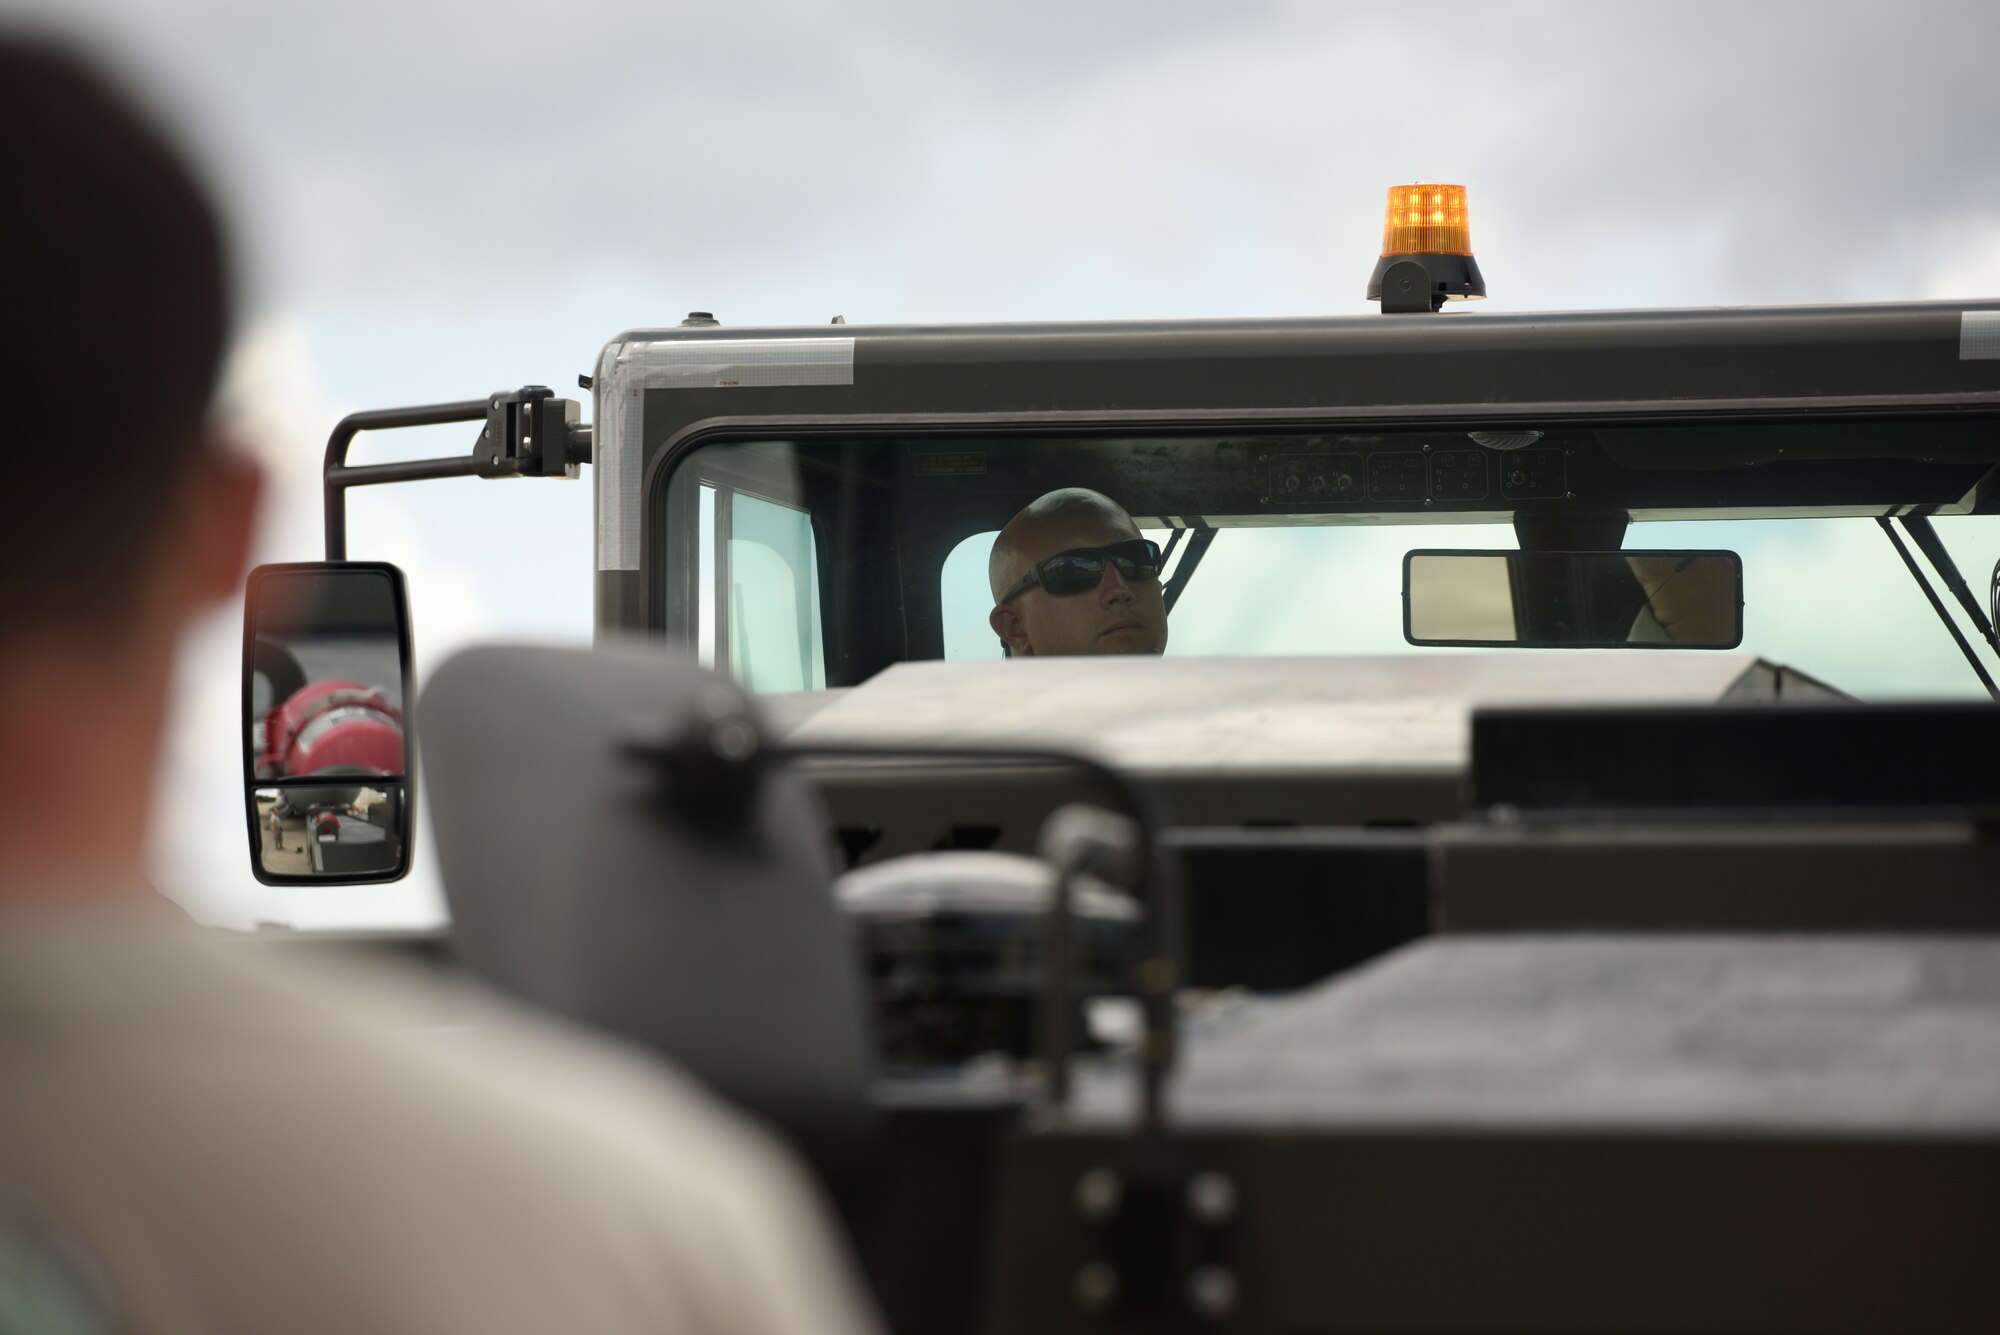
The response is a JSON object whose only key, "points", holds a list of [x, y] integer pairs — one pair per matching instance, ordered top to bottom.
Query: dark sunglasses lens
{"points": [[1138, 559], [1079, 571], [1072, 572]]}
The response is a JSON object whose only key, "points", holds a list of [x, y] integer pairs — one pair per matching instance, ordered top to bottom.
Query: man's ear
{"points": [[1006, 623]]}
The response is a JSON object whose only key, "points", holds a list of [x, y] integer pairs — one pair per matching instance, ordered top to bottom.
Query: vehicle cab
{"points": [[1445, 864]]}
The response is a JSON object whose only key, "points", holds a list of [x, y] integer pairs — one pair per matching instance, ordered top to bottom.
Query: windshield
{"points": [[818, 563], [1827, 596]]}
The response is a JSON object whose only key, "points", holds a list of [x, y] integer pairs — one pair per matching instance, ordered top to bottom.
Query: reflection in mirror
{"points": [[1603, 600], [325, 674], [326, 751], [325, 832]]}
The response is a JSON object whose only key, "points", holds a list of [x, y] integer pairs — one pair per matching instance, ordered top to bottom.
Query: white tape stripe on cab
{"points": [[1979, 336], [630, 369]]}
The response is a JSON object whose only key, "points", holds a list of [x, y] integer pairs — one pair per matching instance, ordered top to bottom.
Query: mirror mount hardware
{"points": [[526, 432], [1570, 531], [1937, 605]]}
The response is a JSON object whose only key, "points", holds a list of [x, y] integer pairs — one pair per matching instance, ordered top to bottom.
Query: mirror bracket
{"points": [[527, 432], [1570, 530]]}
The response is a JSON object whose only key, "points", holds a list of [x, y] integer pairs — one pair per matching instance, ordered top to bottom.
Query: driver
{"points": [[1071, 575]]}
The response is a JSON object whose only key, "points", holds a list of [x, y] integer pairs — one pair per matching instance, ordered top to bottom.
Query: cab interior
{"points": [[863, 520]]}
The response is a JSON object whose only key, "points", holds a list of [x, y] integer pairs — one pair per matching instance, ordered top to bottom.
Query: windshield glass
{"points": [[818, 563], [1827, 596]]}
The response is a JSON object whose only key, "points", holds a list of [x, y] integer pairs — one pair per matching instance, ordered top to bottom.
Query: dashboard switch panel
{"points": [[1396, 475], [1458, 475], [1532, 475], [1310, 480]]}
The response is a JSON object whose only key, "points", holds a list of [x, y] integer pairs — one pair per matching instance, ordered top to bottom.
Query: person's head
{"points": [[120, 517], [1116, 615]]}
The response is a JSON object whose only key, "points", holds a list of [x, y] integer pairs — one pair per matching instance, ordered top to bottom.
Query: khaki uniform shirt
{"points": [[199, 1135]]}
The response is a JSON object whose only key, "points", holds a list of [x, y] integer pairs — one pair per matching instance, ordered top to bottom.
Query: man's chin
{"points": [[1128, 640]]}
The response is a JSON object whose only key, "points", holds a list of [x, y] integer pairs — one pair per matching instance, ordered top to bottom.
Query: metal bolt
{"points": [[496, 405], [734, 739], [1097, 1194], [1211, 1198], [1096, 1287], [1212, 1292]]}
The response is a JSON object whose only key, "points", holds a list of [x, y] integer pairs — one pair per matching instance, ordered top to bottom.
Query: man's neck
{"points": [[76, 787]]}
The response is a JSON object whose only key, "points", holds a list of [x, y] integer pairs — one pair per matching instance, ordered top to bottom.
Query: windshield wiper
{"points": [[1919, 526], [1199, 537], [1937, 604]]}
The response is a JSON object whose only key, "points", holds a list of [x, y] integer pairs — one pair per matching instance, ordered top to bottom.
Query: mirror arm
{"points": [[528, 433], [1919, 527], [1937, 605]]}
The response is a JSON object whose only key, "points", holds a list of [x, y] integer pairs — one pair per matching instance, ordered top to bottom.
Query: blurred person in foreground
{"points": [[1071, 575], [195, 1136]]}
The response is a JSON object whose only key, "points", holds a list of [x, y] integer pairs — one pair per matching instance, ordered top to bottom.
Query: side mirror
{"points": [[1574, 600], [329, 767]]}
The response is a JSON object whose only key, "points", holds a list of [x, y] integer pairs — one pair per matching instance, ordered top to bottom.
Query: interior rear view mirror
{"points": [[1574, 600], [328, 760]]}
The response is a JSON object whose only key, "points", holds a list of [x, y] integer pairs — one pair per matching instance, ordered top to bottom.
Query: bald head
{"points": [[1025, 540], [1119, 616]]}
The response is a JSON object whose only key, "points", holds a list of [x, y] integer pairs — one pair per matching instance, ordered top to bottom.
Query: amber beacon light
{"points": [[1426, 251]]}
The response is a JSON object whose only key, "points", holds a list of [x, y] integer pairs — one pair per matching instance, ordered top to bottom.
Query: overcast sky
{"points": [[435, 198]]}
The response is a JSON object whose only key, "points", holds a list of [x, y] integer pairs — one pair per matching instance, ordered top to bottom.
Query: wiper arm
{"points": [[1919, 527], [1198, 540], [1937, 605]]}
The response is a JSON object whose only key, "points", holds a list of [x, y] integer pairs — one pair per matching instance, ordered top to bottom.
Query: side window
{"points": [[966, 600], [760, 612]]}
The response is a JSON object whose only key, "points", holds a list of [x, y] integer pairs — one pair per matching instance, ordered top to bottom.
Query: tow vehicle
{"points": [[1603, 983]]}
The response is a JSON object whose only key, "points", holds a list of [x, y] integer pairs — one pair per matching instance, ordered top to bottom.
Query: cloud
{"points": [[1043, 159]]}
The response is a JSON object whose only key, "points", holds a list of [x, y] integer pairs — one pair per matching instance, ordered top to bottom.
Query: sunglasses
{"points": [[1079, 570]]}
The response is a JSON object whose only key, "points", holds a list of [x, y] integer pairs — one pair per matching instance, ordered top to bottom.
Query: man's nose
{"points": [[1112, 588]]}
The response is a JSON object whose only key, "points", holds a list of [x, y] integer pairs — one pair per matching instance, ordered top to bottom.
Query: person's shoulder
{"points": [[433, 1028], [338, 1043], [397, 1112], [595, 1128]]}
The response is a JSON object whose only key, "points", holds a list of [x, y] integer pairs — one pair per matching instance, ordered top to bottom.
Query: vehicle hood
{"points": [[1180, 715]]}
